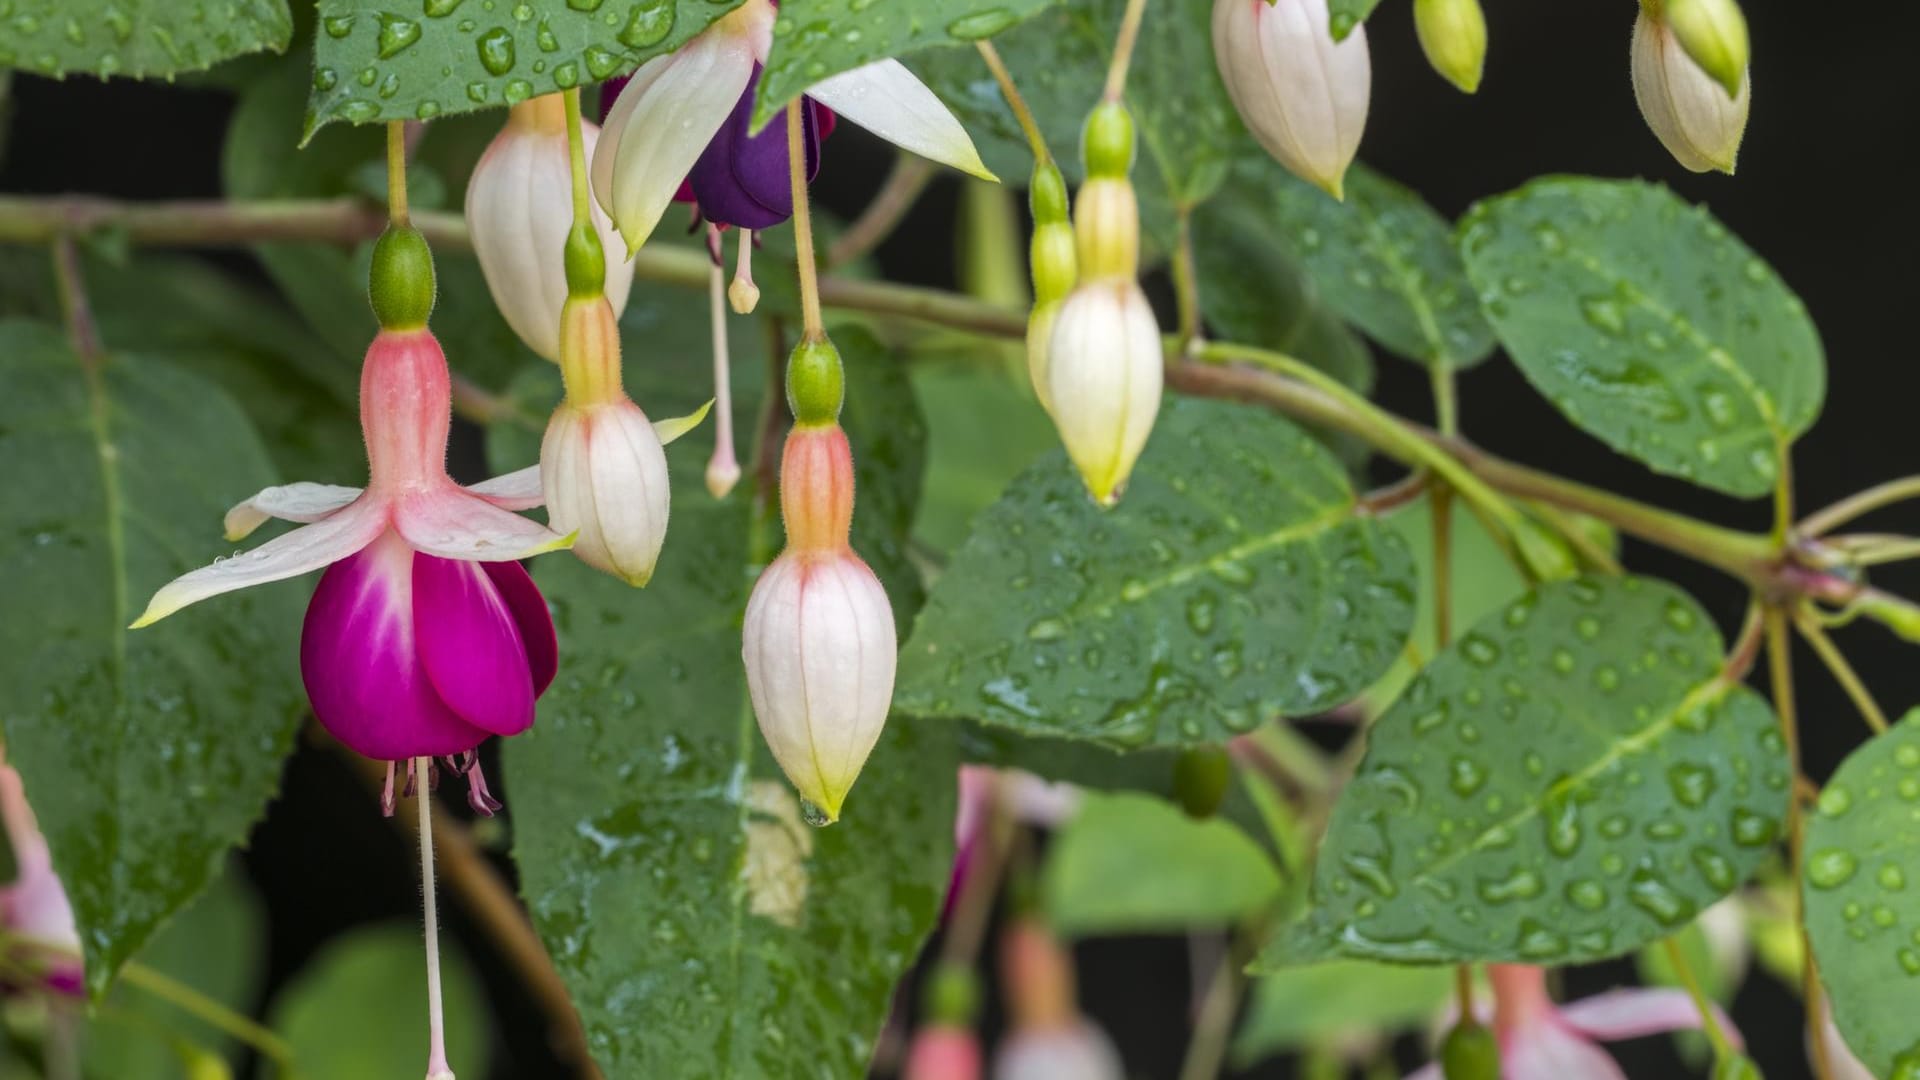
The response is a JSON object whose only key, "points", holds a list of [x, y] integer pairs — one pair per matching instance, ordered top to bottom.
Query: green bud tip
{"points": [[1453, 34], [1714, 34], [1106, 143], [1047, 196], [1055, 262], [586, 263], [400, 283], [816, 384], [1201, 775], [953, 995], [1470, 1052], [1736, 1067]]}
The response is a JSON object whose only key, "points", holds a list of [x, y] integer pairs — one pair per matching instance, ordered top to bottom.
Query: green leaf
{"points": [[1344, 15], [136, 38], [815, 39], [453, 56], [1384, 260], [1649, 325], [970, 463], [1232, 583], [148, 754], [1570, 780], [1133, 863], [693, 915], [1862, 916], [217, 948], [1336, 1001], [358, 1010]]}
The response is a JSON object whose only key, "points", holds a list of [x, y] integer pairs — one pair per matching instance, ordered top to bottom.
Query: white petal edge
{"points": [[886, 99], [517, 490], [304, 502], [451, 524], [307, 548], [1635, 1013]]}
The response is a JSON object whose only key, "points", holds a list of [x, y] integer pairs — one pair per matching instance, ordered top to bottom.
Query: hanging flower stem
{"points": [[1123, 49], [1042, 154], [577, 161], [397, 173], [812, 328], [1843, 672], [1709, 1017], [437, 1068]]}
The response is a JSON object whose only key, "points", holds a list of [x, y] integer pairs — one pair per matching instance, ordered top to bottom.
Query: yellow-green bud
{"points": [[1453, 34], [1714, 34], [1106, 143], [1047, 196], [1106, 229], [586, 263], [1055, 263], [400, 282], [816, 384], [1546, 556], [1201, 776], [953, 995], [1470, 1052]]}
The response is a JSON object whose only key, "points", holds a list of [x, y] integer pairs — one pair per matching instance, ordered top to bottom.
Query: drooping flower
{"points": [[1303, 95], [684, 116], [1695, 118], [519, 212], [1103, 361], [425, 635], [819, 641], [33, 906], [1048, 1038], [1540, 1040]]}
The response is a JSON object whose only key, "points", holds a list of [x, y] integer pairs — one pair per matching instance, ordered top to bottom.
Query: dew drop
{"points": [[436, 9], [648, 24], [981, 24], [337, 26], [396, 34], [496, 50], [601, 64], [517, 91], [1048, 629], [1465, 776], [1692, 785], [1835, 800], [813, 815], [1830, 868], [1892, 878]]}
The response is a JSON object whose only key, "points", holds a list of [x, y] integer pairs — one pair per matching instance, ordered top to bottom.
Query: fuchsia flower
{"points": [[425, 635], [34, 905], [1049, 1039], [1543, 1041], [943, 1052]]}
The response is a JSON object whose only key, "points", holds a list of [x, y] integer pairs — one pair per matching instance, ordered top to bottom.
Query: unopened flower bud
{"points": [[1714, 33], [1453, 34], [1303, 95], [1690, 112], [520, 213], [1106, 229], [1055, 268], [400, 283], [1104, 374], [1201, 777], [943, 1052], [1470, 1052]]}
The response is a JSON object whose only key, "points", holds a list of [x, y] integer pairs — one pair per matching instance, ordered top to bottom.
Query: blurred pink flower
{"points": [[34, 905]]}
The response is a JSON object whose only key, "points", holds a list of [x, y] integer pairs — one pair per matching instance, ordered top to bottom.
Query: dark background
{"points": [[1821, 195]]}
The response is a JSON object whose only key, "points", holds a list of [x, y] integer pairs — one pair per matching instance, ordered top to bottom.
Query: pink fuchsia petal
{"points": [[886, 99], [517, 490], [289, 502], [446, 521], [309, 547], [531, 617], [470, 645], [359, 658], [33, 905], [1633, 1013], [1549, 1050], [943, 1052], [1846, 1065]]}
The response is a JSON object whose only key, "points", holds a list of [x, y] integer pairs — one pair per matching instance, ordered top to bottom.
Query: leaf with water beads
{"points": [[137, 38], [377, 60], [1649, 325], [1236, 581], [1572, 779], [1861, 884]]}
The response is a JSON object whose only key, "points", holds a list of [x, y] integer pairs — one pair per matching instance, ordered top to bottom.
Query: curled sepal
{"points": [[675, 426], [303, 502]]}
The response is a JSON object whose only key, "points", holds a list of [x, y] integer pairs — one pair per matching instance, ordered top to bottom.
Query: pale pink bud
{"points": [[1303, 95], [1691, 113], [519, 211], [1104, 375], [819, 641], [34, 905], [1080, 1051], [943, 1052]]}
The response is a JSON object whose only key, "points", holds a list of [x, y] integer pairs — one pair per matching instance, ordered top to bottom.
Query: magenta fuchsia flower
{"points": [[425, 635], [34, 905], [1540, 1040]]}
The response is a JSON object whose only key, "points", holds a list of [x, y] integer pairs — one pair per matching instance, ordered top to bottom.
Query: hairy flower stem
{"points": [[1123, 49], [1036, 142], [577, 161], [397, 173], [812, 328], [436, 1026]]}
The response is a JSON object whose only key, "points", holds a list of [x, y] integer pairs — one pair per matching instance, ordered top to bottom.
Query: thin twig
{"points": [[1123, 43], [1036, 141], [898, 193], [78, 310], [1853, 506], [1780, 666], [1842, 671], [216, 1015], [1709, 1016], [1214, 1024]]}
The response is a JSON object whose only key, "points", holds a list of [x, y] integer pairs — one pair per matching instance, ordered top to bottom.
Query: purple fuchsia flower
{"points": [[685, 116], [425, 635], [33, 906], [1540, 1040]]}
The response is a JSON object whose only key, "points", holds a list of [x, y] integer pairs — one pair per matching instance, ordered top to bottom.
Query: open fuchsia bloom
{"points": [[685, 117], [425, 634], [34, 905], [1543, 1041]]}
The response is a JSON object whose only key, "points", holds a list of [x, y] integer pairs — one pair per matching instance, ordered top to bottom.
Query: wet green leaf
{"points": [[137, 38], [815, 39], [440, 57], [1386, 262], [1649, 325], [970, 463], [1233, 582], [146, 754], [1572, 779], [1133, 864], [1861, 884], [693, 914], [1337, 1000], [358, 1010]]}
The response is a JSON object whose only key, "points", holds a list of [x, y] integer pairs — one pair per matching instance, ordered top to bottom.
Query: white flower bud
{"points": [[1302, 94], [1691, 113], [520, 209], [1104, 373], [605, 476], [1078, 1052]]}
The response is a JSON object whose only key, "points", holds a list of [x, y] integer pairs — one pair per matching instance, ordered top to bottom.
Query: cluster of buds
{"points": [[1690, 77], [1303, 95], [1054, 269], [1102, 362], [819, 641]]}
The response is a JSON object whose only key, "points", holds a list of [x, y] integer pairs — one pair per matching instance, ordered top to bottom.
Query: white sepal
{"points": [[1303, 95], [888, 100], [1691, 113], [605, 476], [303, 501], [309, 547]]}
